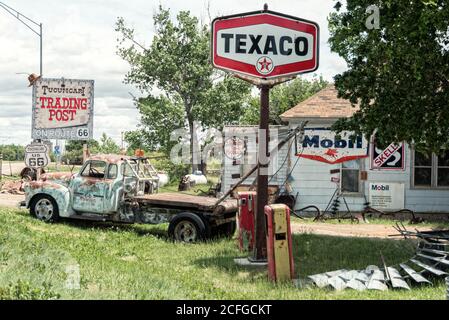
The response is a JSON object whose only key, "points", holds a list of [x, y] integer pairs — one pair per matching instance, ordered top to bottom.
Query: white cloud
{"points": [[80, 42]]}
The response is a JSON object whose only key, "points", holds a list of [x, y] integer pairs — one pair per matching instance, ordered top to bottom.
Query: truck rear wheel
{"points": [[44, 208], [187, 227]]}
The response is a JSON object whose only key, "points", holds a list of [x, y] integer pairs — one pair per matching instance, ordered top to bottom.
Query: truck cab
{"points": [[98, 189]]}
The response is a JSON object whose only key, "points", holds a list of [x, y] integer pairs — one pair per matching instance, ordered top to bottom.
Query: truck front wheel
{"points": [[44, 208], [187, 227]]}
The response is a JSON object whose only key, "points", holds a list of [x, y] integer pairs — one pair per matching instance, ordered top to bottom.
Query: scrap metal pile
{"points": [[16, 186], [12, 187], [431, 260]]}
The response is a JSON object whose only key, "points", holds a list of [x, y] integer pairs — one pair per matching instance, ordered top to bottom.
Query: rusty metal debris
{"points": [[30, 174], [12, 187], [369, 211], [431, 260]]}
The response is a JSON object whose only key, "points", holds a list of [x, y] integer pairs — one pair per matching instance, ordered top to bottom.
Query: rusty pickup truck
{"points": [[124, 189]]}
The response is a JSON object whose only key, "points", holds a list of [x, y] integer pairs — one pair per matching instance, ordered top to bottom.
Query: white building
{"points": [[405, 180]]}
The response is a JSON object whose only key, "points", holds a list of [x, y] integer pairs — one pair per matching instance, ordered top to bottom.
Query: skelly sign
{"points": [[265, 44], [63, 109], [326, 146], [390, 158]]}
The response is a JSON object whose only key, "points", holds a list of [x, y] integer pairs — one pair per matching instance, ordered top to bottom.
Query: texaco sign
{"points": [[265, 44], [63, 109]]}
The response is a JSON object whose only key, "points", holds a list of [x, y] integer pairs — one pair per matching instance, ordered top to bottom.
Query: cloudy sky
{"points": [[80, 42]]}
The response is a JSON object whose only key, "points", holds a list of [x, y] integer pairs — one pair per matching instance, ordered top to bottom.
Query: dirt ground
{"points": [[12, 168], [10, 200], [348, 230]]}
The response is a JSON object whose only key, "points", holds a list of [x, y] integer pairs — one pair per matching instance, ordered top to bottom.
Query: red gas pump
{"points": [[245, 220], [279, 243]]}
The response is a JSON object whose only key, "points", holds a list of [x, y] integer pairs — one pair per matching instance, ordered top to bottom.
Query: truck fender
{"points": [[59, 193]]}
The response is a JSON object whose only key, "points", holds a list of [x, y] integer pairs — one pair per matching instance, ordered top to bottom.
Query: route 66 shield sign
{"points": [[36, 156]]}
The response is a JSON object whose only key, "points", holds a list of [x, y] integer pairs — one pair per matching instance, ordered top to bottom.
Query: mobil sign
{"points": [[265, 44], [327, 146]]}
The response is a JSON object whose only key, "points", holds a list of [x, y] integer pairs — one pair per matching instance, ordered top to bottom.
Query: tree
{"points": [[177, 63], [398, 73], [282, 98], [159, 118], [77, 145], [107, 145], [74, 150], [12, 152]]}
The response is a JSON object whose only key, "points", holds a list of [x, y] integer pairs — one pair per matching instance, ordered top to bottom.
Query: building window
{"points": [[423, 169], [431, 170], [443, 170], [350, 176]]}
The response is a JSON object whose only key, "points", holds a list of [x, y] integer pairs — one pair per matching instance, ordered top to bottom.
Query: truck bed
{"points": [[180, 200]]}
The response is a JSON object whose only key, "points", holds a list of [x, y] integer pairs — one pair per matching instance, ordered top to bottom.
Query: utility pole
{"points": [[30, 24], [36, 28]]}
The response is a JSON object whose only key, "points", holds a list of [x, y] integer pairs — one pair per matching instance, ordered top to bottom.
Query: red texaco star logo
{"points": [[264, 65]]}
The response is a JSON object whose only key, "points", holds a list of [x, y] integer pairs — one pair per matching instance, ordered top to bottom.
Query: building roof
{"points": [[325, 105]]}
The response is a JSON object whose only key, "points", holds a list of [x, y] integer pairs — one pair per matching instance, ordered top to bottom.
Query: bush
{"points": [[73, 157], [175, 171]]}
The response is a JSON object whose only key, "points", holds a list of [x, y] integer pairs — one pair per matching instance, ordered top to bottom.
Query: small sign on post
{"points": [[36, 155]]}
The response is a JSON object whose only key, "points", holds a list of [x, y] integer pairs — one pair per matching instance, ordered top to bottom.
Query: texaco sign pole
{"points": [[265, 48], [260, 243]]}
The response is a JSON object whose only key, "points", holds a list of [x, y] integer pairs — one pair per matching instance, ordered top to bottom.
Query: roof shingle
{"points": [[324, 104]]}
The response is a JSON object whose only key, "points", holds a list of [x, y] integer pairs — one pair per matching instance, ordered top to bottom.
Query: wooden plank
{"points": [[187, 201], [413, 274]]}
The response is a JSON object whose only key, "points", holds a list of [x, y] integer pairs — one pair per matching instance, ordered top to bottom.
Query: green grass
{"points": [[139, 262]]}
